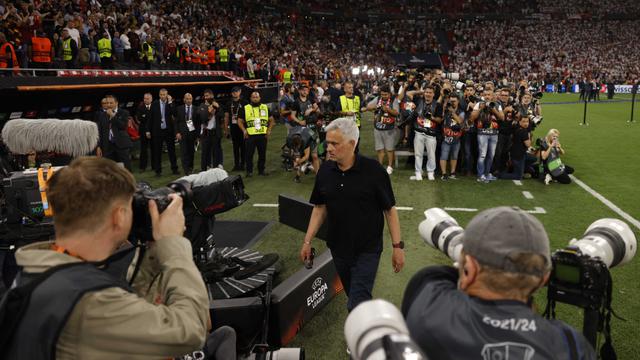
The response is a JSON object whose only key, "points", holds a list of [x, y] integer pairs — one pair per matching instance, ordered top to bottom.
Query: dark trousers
{"points": [[106, 62], [237, 139], [145, 144], [251, 144], [470, 144], [187, 148], [211, 150], [156, 151], [502, 152], [122, 155], [564, 177], [357, 275]]}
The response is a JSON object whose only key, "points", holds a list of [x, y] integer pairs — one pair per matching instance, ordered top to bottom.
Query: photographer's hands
{"points": [[170, 223]]}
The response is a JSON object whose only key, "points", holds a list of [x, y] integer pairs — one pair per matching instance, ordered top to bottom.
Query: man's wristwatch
{"points": [[399, 245]]}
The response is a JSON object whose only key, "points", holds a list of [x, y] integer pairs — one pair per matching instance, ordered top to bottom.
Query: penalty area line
{"points": [[606, 201]]}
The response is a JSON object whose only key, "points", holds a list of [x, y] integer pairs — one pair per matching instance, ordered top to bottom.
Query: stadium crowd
{"points": [[260, 42]]}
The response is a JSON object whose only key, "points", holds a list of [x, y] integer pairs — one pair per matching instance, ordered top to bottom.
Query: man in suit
{"points": [[143, 118], [102, 121], [188, 122], [162, 130], [212, 130], [119, 142]]}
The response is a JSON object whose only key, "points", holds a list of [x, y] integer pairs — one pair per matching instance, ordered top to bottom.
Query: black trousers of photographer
{"points": [[254, 142], [211, 149], [502, 152]]}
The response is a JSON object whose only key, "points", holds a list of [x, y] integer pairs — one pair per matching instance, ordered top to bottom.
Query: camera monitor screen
{"points": [[567, 273]]}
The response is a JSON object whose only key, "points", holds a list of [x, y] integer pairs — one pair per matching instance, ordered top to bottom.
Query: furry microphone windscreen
{"points": [[69, 137]]}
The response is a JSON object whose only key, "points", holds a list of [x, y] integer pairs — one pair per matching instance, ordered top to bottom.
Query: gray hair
{"points": [[347, 126]]}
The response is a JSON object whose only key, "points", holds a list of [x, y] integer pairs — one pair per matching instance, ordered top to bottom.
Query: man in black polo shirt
{"points": [[353, 193]]}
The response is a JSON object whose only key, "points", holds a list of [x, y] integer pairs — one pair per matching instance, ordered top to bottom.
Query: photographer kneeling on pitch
{"points": [[86, 305], [483, 309]]}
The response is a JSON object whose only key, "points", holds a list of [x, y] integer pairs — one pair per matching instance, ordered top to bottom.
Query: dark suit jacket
{"points": [[203, 113], [143, 116], [101, 119], [156, 119], [181, 120], [119, 123]]}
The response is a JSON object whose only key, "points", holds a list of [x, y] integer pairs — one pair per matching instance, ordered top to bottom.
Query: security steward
{"points": [[69, 49], [104, 49], [41, 52], [147, 53], [223, 53], [185, 56], [211, 58], [8, 59], [350, 105], [256, 123]]}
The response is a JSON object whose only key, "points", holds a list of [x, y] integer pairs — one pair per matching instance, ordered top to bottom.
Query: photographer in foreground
{"points": [[483, 309], [164, 313]]}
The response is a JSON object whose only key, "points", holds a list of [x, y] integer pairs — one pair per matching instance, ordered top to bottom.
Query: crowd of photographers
{"points": [[451, 128]]}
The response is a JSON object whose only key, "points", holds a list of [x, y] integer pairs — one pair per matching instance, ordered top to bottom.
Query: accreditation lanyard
{"points": [[42, 184]]}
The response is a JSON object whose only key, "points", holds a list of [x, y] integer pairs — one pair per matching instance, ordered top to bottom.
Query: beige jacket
{"points": [[166, 317]]}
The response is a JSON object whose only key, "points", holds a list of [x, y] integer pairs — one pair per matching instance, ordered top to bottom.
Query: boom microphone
{"points": [[68, 137]]}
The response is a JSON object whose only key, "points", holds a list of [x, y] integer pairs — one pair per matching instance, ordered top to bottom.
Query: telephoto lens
{"points": [[442, 232], [610, 240], [376, 330]]}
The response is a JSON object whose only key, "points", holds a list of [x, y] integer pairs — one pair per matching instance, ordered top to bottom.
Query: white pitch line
{"points": [[517, 182], [527, 195], [606, 201], [266, 205], [404, 208], [460, 209], [537, 210]]}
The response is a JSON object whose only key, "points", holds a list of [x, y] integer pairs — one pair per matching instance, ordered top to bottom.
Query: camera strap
{"points": [[42, 185], [607, 352]]}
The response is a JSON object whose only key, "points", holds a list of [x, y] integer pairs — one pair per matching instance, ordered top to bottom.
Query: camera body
{"points": [[141, 229], [578, 279]]}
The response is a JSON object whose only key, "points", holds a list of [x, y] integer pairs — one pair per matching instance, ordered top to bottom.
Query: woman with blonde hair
{"points": [[554, 168]]}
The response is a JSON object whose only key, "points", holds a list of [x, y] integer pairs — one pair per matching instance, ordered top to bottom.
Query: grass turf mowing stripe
{"points": [[527, 195], [606, 201]]}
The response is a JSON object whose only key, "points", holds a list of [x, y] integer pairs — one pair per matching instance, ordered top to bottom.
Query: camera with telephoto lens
{"points": [[451, 76], [141, 228], [580, 274], [376, 330]]}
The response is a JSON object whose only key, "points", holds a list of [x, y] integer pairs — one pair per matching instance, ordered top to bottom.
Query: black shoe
{"points": [[236, 168], [175, 172], [249, 175], [297, 179]]}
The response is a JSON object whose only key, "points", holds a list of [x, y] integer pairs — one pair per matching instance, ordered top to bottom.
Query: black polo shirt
{"points": [[355, 200]]}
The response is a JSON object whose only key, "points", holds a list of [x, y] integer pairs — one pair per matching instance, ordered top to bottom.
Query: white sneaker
{"points": [[389, 170], [430, 176], [417, 177], [548, 179]]}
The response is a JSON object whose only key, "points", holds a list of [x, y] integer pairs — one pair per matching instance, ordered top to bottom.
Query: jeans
{"points": [[419, 142], [449, 151], [486, 151], [357, 275]]}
